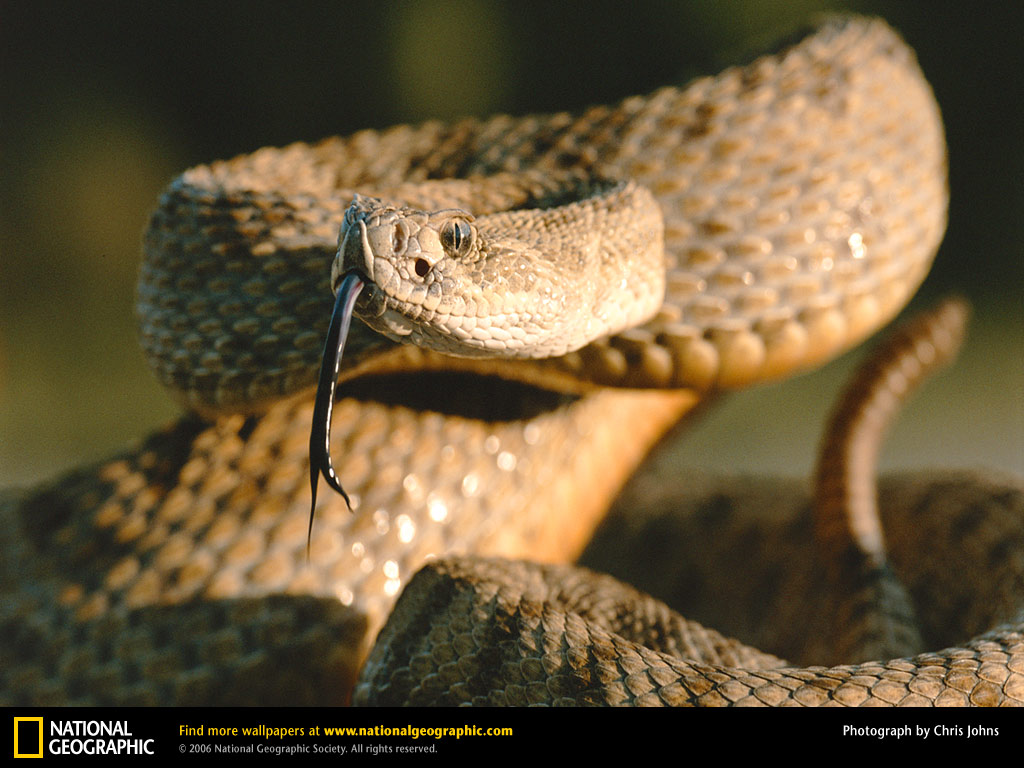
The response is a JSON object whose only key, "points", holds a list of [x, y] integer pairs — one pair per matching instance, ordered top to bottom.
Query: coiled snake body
{"points": [[803, 198]]}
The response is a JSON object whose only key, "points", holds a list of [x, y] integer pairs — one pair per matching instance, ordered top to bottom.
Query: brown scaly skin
{"points": [[803, 196], [177, 573], [818, 584], [504, 633]]}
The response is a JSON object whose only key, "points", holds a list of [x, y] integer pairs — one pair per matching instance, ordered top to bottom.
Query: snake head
{"points": [[396, 249], [421, 267], [530, 282]]}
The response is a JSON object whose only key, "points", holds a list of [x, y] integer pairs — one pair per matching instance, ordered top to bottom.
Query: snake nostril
{"points": [[422, 266]]}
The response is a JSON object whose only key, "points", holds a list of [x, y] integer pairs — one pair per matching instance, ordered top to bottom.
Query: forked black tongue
{"points": [[320, 434]]}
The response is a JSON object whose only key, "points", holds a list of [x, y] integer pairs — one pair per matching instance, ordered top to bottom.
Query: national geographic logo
{"points": [[28, 737], [76, 737]]}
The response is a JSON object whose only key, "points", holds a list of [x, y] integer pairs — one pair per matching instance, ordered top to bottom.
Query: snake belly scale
{"points": [[803, 198]]}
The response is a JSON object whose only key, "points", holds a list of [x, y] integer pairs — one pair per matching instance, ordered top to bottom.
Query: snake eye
{"points": [[457, 237]]}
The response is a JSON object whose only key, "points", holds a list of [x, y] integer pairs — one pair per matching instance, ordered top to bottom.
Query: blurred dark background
{"points": [[103, 103]]}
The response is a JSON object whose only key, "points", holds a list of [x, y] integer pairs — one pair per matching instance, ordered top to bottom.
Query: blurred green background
{"points": [[103, 103]]}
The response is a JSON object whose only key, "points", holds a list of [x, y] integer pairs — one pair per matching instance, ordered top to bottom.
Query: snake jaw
{"points": [[320, 463]]}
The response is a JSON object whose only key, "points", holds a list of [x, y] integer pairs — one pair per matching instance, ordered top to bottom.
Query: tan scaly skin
{"points": [[497, 632]]}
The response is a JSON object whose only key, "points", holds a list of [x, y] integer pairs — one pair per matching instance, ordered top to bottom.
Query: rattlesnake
{"points": [[804, 197]]}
